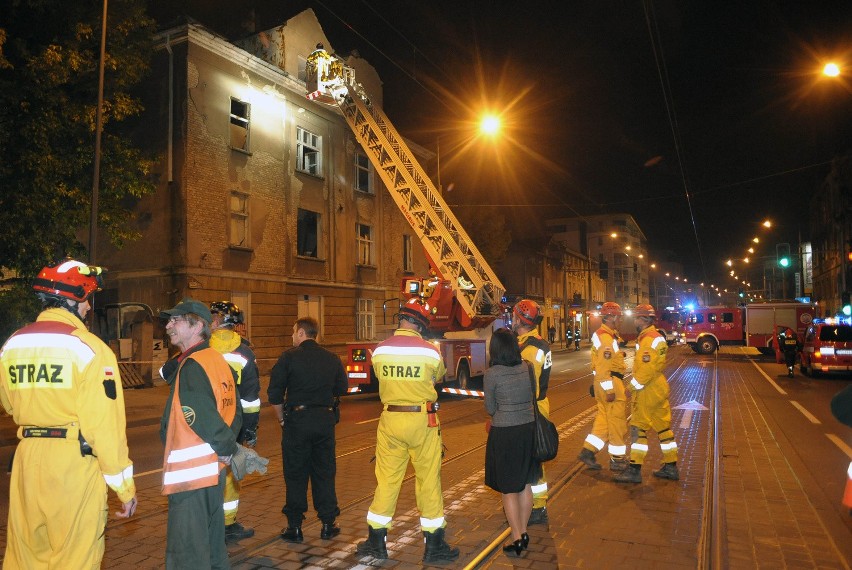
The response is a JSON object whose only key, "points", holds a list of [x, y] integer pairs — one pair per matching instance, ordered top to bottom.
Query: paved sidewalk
{"points": [[767, 519]]}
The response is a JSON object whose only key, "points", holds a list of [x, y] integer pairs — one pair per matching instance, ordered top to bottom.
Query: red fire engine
{"points": [[463, 290], [753, 325]]}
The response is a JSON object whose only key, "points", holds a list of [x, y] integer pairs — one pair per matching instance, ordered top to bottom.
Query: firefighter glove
{"points": [[245, 461]]}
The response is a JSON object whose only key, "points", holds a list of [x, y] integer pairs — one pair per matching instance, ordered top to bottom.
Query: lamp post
{"points": [[96, 177]]}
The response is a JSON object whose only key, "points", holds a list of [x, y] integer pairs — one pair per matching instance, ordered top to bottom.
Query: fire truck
{"points": [[463, 290], [755, 325]]}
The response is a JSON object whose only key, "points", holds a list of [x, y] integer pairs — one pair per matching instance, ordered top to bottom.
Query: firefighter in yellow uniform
{"points": [[535, 350], [240, 357], [407, 368], [608, 368], [62, 387], [651, 408]]}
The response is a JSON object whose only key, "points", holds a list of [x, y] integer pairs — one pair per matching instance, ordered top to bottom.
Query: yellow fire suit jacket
{"points": [[536, 351], [607, 359], [650, 360], [407, 368], [55, 373]]}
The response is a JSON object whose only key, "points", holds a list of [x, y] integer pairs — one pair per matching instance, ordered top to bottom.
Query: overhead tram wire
{"points": [[659, 59]]}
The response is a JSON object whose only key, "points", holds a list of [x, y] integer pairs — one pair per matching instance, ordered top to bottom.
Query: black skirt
{"points": [[509, 465]]}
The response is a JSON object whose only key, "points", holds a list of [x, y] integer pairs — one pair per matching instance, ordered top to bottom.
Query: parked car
{"points": [[827, 347]]}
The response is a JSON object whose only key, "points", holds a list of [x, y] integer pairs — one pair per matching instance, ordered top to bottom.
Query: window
{"points": [[239, 125], [308, 152], [363, 173], [239, 220], [307, 233], [365, 244], [407, 256], [711, 317], [727, 317], [365, 319]]}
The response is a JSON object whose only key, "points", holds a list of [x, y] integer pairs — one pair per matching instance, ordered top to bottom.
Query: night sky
{"points": [[608, 106]]}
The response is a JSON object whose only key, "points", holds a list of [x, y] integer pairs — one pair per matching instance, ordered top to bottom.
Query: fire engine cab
{"points": [[463, 290], [708, 328]]}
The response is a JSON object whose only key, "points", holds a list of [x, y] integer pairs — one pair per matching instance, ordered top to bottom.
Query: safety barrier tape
{"points": [[460, 392]]}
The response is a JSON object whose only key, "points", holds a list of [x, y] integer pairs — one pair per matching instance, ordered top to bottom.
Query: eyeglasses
{"points": [[176, 319]]}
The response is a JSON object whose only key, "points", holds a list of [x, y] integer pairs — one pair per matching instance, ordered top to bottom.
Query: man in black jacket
{"points": [[304, 389]]}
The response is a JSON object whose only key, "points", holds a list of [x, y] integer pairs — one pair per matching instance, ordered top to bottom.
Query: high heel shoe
{"points": [[525, 540], [514, 548]]}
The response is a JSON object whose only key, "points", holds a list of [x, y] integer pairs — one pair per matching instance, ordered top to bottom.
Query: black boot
{"points": [[329, 530], [292, 534], [375, 545], [437, 549]]}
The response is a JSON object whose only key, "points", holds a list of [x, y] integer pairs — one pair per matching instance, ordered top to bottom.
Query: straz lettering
{"points": [[400, 371], [36, 374]]}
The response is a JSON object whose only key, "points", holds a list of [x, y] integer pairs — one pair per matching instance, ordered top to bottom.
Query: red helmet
{"points": [[70, 279], [611, 309], [644, 310], [417, 312], [528, 312], [231, 314]]}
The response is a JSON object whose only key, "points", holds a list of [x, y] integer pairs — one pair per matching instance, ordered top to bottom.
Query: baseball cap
{"points": [[189, 306]]}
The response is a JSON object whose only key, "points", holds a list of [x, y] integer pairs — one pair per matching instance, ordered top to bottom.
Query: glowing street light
{"points": [[831, 69], [490, 124]]}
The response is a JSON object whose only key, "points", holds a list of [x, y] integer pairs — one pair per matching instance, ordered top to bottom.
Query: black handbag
{"points": [[546, 438]]}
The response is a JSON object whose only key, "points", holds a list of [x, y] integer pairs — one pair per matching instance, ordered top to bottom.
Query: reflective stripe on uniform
{"points": [[51, 340], [656, 342], [406, 351], [236, 358], [606, 385], [636, 385], [253, 406], [595, 441], [668, 445], [639, 447], [617, 449], [189, 453], [191, 474], [115, 481], [539, 488], [231, 505], [378, 519], [432, 523]]}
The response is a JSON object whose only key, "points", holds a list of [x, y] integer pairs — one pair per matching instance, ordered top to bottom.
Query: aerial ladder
{"points": [[476, 291]]}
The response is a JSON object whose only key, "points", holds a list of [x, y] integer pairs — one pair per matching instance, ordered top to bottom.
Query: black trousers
{"points": [[790, 357], [307, 446]]}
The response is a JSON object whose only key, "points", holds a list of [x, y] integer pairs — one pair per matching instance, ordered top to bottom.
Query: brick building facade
{"points": [[263, 197]]}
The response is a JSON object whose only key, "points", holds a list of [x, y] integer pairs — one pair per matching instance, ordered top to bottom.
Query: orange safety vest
{"points": [[189, 462]]}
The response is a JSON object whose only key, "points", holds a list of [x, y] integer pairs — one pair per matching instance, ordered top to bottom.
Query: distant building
{"points": [[263, 198], [618, 245], [827, 268]]}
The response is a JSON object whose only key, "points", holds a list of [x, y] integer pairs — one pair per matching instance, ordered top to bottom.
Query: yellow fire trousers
{"points": [[57, 507]]}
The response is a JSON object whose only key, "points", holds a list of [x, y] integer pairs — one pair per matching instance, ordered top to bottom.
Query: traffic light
{"points": [[782, 253], [741, 293], [845, 304]]}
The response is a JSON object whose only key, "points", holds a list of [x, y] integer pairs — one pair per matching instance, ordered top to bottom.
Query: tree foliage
{"points": [[48, 103], [486, 226]]}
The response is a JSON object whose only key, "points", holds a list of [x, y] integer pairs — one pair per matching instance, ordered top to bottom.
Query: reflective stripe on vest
{"points": [[189, 462]]}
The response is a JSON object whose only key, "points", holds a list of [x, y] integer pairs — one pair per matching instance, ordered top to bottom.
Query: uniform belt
{"points": [[303, 407], [395, 408], [55, 433]]}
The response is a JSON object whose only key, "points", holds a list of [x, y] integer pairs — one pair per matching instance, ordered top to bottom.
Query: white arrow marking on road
{"points": [[689, 407]]}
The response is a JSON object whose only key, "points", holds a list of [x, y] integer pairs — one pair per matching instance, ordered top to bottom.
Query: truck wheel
{"points": [[706, 346], [463, 375]]}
